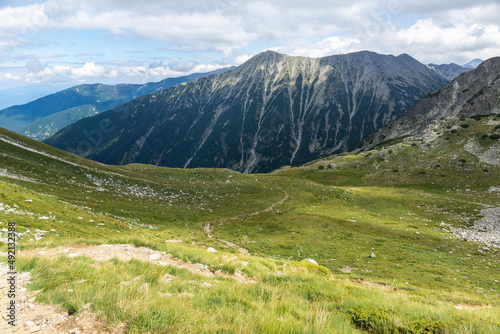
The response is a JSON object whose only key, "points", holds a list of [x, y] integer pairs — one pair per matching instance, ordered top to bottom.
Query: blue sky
{"points": [[112, 41]]}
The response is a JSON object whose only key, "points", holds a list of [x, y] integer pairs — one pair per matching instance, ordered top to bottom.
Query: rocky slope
{"points": [[473, 93], [272, 111], [485, 230]]}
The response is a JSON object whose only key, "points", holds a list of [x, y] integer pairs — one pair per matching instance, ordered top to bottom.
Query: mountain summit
{"points": [[272, 111]]}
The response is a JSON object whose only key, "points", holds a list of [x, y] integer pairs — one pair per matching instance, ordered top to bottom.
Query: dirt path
{"points": [[207, 225], [128, 252], [41, 318]]}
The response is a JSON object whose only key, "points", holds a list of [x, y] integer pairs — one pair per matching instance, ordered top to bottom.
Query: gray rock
{"points": [[485, 230], [312, 261], [29, 323]]}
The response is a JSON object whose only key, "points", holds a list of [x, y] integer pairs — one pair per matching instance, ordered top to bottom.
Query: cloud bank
{"points": [[188, 36]]}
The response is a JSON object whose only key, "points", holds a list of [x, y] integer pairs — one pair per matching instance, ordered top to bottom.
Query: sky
{"points": [[129, 41]]}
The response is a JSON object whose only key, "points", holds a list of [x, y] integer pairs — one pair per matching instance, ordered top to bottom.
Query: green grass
{"points": [[392, 201], [300, 301]]}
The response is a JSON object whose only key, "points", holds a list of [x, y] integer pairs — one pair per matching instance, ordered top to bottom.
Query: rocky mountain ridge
{"points": [[449, 71], [473, 93], [274, 110]]}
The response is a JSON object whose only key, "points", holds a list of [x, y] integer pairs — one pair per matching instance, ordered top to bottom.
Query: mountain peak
{"points": [[266, 56], [473, 63], [272, 111]]}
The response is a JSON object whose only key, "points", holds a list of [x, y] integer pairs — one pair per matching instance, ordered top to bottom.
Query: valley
{"points": [[401, 201]]}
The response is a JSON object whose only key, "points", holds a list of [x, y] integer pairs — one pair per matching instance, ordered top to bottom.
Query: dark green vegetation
{"points": [[272, 111], [43, 117], [397, 201]]}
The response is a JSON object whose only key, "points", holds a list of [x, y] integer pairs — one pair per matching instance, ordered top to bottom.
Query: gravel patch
{"points": [[485, 230]]}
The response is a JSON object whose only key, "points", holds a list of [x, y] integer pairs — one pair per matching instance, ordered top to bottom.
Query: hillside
{"points": [[473, 93], [272, 111], [45, 116], [128, 244]]}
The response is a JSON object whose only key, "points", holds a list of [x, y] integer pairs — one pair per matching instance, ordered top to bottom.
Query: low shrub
{"points": [[370, 319], [424, 326]]}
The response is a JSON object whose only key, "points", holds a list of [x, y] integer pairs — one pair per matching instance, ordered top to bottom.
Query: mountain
{"points": [[473, 63], [449, 71], [476, 92], [24, 94], [272, 111], [45, 116]]}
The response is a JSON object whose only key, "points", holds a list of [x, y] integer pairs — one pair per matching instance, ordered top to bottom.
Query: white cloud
{"points": [[19, 24], [215, 25], [205, 30], [231, 31], [431, 41], [329, 46], [182, 66], [89, 70], [38, 73], [9, 77]]}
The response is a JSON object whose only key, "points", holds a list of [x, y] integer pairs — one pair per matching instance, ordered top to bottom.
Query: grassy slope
{"points": [[394, 192], [373, 202]]}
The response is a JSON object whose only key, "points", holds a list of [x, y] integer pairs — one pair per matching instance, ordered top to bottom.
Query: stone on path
{"points": [[154, 257]]}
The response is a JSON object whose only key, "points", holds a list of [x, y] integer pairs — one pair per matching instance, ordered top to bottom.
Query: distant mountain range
{"points": [[473, 63], [452, 70], [449, 71], [474, 93], [25, 94], [274, 110], [45, 116]]}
